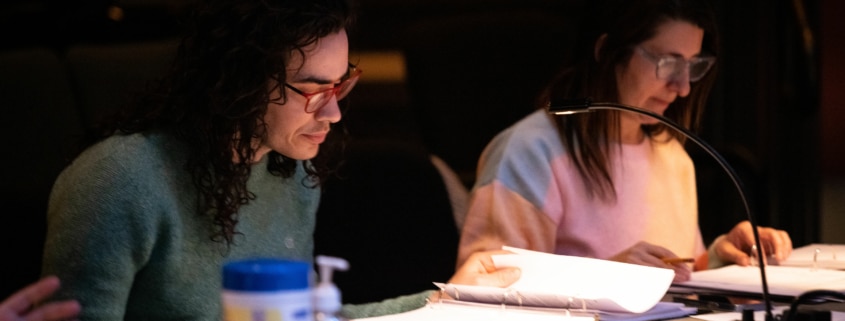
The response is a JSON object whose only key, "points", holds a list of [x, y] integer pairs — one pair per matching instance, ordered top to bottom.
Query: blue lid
{"points": [[264, 274]]}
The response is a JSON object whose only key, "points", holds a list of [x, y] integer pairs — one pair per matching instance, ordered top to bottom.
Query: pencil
{"points": [[673, 260]]}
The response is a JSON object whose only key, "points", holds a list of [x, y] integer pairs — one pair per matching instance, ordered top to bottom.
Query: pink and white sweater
{"points": [[529, 194]]}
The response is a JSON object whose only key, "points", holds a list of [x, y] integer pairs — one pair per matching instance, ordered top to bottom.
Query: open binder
{"points": [[562, 281], [555, 286], [450, 310]]}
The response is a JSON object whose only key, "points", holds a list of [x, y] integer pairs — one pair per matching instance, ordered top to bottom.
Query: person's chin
{"points": [[648, 120], [304, 153], [308, 155]]}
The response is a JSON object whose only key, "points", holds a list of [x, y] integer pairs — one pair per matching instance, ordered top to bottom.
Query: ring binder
{"points": [[556, 288], [507, 293], [451, 310]]}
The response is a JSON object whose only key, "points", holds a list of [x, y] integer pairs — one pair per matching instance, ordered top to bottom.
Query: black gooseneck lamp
{"points": [[565, 107]]}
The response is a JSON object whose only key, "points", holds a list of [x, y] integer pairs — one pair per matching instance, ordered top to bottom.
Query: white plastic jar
{"points": [[265, 289]]}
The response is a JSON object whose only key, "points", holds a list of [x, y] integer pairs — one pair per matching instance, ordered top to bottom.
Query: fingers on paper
{"points": [[776, 243], [729, 251], [682, 274], [501, 278]]}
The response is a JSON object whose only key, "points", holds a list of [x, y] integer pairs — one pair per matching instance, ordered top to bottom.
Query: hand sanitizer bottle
{"points": [[327, 301]]}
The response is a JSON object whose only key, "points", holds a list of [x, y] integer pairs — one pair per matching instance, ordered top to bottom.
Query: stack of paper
{"points": [[822, 256], [782, 280], [558, 287]]}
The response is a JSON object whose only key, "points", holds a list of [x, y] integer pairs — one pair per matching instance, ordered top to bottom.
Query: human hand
{"points": [[737, 244], [649, 254], [480, 270], [24, 304]]}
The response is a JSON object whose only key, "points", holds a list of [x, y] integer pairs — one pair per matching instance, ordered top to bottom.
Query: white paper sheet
{"points": [[823, 256], [782, 280], [560, 281]]}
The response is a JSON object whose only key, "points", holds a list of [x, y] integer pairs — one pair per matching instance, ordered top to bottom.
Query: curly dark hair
{"points": [[216, 93]]}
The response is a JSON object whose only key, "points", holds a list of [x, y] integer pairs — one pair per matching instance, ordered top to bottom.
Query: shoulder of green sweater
{"points": [[132, 150], [120, 164], [389, 306]]}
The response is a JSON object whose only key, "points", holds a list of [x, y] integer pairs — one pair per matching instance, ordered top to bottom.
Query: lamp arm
{"points": [[566, 107]]}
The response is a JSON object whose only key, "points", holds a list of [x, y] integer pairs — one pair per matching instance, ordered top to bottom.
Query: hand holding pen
{"points": [[648, 254]]}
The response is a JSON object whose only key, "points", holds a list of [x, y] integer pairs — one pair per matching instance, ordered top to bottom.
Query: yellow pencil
{"points": [[673, 260]]}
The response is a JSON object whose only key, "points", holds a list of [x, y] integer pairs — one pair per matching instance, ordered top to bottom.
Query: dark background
{"points": [[472, 67]]}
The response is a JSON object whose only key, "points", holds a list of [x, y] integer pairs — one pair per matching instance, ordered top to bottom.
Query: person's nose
{"points": [[680, 83], [331, 111]]}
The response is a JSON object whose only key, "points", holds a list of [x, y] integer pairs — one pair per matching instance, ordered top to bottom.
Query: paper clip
{"points": [[816, 259]]}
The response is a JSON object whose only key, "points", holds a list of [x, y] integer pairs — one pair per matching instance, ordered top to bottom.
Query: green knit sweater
{"points": [[125, 238]]}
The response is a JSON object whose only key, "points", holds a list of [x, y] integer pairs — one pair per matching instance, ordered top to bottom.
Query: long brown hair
{"points": [[626, 23]]}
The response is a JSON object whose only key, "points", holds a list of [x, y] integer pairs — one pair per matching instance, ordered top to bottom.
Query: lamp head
{"points": [[569, 106]]}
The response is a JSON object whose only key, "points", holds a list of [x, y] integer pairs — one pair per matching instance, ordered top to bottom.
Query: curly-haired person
{"points": [[220, 161]]}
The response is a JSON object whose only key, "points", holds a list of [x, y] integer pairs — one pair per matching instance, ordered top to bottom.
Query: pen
{"points": [[674, 260]]}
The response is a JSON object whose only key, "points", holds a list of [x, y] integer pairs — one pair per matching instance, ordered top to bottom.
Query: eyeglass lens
{"points": [[670, 67], [320, 99]]}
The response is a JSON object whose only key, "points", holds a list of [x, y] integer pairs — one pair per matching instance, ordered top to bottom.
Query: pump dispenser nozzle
{"points": [[327, 301]]}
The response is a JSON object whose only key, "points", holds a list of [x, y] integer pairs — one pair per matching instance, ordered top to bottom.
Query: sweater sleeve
{"points": [[506, 205], [498, 216], [98, 238], [389, 306]]}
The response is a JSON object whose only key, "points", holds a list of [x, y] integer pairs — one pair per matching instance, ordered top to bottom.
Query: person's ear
{"points": [[599, 44]]}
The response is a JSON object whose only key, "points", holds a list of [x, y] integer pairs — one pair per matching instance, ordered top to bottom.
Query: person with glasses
{"points": [[220, 160], [613, 185]]}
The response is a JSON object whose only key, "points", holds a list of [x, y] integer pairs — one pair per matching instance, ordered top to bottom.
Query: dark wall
{"points": [[833, 81], [763, 114]]}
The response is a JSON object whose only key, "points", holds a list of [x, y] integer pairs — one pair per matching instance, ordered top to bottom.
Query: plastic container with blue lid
{"points": [[267, 289]]}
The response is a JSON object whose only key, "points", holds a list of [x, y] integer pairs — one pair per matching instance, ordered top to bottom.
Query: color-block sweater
{"points": [[529, 194]]}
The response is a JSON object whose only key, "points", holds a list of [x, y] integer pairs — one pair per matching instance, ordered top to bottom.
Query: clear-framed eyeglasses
{"points": [[671, 67], [316, 100]]}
